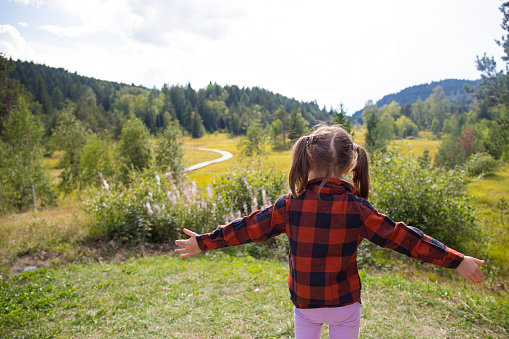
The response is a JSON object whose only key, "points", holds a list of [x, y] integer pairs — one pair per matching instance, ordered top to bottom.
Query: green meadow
{"points": [[92, 289]]}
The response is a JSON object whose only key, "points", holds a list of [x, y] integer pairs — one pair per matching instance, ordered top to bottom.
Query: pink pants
{"points": [[343, 322]]}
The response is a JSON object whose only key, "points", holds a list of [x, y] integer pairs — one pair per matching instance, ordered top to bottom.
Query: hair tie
{"points": [[310, 139], [355, 146]]}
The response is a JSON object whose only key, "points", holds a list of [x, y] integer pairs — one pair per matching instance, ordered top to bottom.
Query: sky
{"points": [[329, 51]]}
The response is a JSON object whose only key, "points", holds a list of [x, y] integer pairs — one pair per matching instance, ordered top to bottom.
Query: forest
{"points": [[104, 105]]}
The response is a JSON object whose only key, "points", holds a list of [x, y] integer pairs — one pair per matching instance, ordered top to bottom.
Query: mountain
{"points": [[453, 88]]}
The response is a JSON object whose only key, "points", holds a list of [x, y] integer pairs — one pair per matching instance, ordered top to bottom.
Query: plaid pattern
{"points": [[324, 234]]}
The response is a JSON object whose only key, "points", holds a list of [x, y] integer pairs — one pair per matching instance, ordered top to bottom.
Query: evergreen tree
{"points": [[9, 89], [57, 97], [283, 115], [339, 117], [371, 121], [298, 125], [197, 129]]}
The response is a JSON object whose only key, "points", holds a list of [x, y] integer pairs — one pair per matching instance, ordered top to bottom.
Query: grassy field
{"points": [[279, 159], [488, 190], [100, 290], [218, 296]]}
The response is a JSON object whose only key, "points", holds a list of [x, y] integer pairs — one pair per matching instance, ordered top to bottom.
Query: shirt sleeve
{"points": [[259, 226], [408, 240]]}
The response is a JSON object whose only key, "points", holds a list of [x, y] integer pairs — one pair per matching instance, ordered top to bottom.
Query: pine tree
{"points": [[9, 89], [283, 115], [339, 117], [298, 125]]}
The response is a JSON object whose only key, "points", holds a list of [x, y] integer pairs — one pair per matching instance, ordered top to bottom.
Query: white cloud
{"points": [[23, 24], [70, 31], [13, 45], [330, 51]]}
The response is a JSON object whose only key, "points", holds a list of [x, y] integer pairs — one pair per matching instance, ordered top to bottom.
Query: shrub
{"points": [[480, 164], [247, 189], [243, 190], [432, 199], [150, 209]]}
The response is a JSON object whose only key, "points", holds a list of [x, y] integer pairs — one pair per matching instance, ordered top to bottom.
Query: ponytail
{"points": [[360, 171], [299, 172]]}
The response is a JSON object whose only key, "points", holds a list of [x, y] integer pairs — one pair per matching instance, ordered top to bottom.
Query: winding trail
{"points": [[225, 156]]}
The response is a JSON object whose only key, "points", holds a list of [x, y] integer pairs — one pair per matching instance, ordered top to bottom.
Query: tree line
{"points": [[104, 105]]}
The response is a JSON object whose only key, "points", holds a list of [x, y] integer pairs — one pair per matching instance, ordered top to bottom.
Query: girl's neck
{"points": [[313, 174]]}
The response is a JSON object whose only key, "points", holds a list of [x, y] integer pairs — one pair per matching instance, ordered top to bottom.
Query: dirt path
{"points": [[225, 156]]}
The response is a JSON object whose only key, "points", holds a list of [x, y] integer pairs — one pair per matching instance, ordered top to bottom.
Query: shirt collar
{"points": [[331, 186]]}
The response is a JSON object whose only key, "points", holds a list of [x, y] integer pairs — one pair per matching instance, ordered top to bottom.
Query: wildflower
{"points": [[158, 180], [105, 184], [193, 188], [209, 191], [150, 196], [172, 198], [264, 199], [254, 204], [244, 205], [157, 208], [149, 209]]}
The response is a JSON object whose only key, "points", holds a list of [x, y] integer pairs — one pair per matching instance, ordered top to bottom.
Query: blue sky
{"points": [[328, 51]]}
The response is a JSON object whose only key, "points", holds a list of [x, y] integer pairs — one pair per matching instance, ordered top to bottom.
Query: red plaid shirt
{"points": [[324, 235]]}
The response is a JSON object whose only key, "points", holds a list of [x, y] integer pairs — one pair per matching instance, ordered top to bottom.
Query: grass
{"points": [[424, 141], [280, 159], [489, 190], [102, 290], [219, 296]]}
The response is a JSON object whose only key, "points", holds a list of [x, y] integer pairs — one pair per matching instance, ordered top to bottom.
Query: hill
{"points": [[453, 88], [105, 105]]}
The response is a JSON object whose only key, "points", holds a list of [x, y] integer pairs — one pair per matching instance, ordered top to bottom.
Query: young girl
{"points": [[325, 219]]}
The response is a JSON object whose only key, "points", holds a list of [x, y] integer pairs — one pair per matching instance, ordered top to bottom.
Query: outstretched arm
{"points": [[259, 226], [412, 242], [189, 246], [470, 270]]}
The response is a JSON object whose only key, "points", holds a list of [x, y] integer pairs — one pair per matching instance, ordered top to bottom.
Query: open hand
{"points": [[190, 245], [469, 270]]}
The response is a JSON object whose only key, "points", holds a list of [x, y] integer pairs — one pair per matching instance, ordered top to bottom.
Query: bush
{"points": [[481, 164], [246, 189], [243, 190], [432, 199], [150, 209]]}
